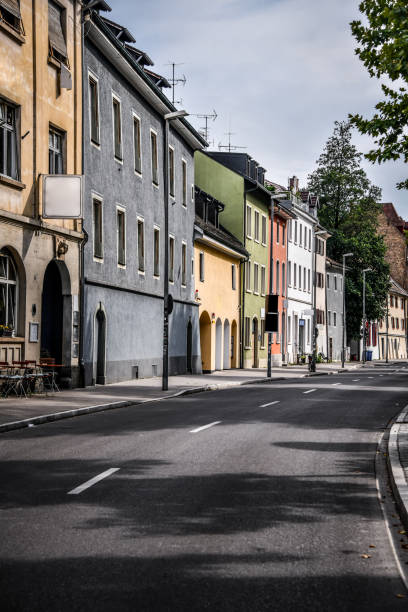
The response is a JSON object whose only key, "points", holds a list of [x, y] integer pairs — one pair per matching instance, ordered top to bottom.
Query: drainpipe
{"points": [[325, 310], [241, 356], [269, 371]]}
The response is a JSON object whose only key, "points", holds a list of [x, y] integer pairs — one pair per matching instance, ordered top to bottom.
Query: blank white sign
{"points": [[62, 196]]}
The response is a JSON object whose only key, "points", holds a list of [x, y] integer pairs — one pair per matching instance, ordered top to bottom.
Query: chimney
{"points": [[294, 184]]}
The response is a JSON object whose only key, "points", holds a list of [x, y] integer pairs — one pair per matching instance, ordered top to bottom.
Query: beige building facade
{"points": [[40, 134], [392, 338]]}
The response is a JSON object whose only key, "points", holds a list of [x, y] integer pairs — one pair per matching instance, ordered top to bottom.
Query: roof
{"points": [[278, 188], [394, 218], [221, 235], [396, 287]]}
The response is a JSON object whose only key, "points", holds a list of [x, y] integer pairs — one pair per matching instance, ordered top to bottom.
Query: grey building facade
{"points": [[124, 202], [334, 309]]}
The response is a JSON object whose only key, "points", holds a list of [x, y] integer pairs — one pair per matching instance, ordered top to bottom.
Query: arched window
{"points": [[8, 290]]}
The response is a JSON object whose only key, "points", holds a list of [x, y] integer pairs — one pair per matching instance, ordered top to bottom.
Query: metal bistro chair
{"points": [[4, 369], [49, 377], [15, 381]]}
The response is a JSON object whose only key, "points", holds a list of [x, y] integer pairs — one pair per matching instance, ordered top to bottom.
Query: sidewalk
{"points": [[16, 413], [398, 463]]}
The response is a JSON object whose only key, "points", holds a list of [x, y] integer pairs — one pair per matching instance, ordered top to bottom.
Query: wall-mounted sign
{"points": [[62, 196], [301, 322], [33, 332]]}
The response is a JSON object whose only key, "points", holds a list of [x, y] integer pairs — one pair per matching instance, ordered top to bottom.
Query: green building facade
{"points": [[246, 216]]}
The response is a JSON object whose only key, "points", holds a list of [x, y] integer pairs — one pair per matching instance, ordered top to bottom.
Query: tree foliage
{"points": [[383, 49], [349, 210]]}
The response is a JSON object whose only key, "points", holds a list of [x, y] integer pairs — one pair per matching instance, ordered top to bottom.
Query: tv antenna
{"points": [[176, 81], [205, 129], [229, 147]]}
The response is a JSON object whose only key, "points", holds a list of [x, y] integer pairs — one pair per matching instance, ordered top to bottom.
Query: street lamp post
{"points": [[167, 118], [364, 315], [343, 351], [313, 364]]}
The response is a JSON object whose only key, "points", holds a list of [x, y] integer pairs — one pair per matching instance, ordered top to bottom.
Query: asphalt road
{"points": [[273, 506]]}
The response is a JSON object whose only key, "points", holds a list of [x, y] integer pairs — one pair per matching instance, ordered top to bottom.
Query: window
{"points": [[10, 14], [56, 32], [94, 109], [117, 128], [137, 144], [55, 152], [9, 165], [155, 169], [171, 171], [184, 182], [248, 221], [256, 224], [97, 227], [263, 230], [290, 230], [277, 232], [295, 232], [121, 233], [283, 234], [300, 234], [305, 240], [310, 240], [140, 245], [156, 252], [171, 259], [201, 261], [183, 264], [289, 273], [294, 275], [248, 276], [233, 277], [256, 278], [300, 278], [304, 279], [263, 280], [283, 280], [319, 280], [277, 281], [308, 281], [328, 281], [335, 282], [8, 290], [319, 316], [329, 317], [334, 319], [397, 322], [308, 331], [247, 332], [289, 332], [262, 333]]}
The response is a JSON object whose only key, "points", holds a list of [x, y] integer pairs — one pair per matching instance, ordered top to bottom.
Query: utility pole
{"points": [[364, 315], [386, 337]]}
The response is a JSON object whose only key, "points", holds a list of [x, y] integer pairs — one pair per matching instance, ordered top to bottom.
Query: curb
{"points": [[67, 414], [398, 481]]}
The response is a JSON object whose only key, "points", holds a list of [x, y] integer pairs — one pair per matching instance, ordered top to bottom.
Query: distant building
{"points": [[40, 135], [124, 213], [392, 227], [218, 260], [334, 310], [391, 339]]}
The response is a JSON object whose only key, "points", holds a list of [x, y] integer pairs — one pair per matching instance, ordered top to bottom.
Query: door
{"points": [[255, 334], [100, 347], [331, 349], [189, 367]]}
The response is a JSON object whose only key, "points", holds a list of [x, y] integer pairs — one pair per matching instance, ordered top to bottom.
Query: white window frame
{"points": [[92, 76], [116, 98], [136, 116], [152, 131], [184, 182], [172, 194], [99, 198], [120, 208], [248, 208], [141, 220], [264, 222], [256, 225], [156, 228], [172, 238], [184, 262], [201, 268], [248, 276], [233, 277], [256, 278], [263, 280]]}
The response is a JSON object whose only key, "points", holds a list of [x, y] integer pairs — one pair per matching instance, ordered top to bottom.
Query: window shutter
{"points": [[12, 7], [55, 33]]}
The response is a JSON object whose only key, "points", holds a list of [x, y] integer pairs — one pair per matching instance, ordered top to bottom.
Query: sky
{"points": [[277, 72]]}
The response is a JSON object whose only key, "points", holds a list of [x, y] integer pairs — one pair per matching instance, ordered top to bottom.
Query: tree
{"points": [[384, 51], [339, 180], [348, 208]]}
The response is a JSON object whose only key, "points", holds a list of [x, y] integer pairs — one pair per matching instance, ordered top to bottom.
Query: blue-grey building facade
{"points": [[124, 202], [334, 309]]}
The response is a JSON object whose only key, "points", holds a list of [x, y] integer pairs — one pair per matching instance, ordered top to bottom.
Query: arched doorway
{"points": [[56, 313], [234, 329], [255, 334], [100, 337], [205, 341], [218, 345], [189, 351], [226, 361]]}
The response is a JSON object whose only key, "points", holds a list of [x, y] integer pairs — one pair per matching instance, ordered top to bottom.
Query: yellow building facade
{"points": [[40, 134], [217, 258]]}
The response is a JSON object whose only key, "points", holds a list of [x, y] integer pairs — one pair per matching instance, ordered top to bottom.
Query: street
{"points": [[261, 497]]}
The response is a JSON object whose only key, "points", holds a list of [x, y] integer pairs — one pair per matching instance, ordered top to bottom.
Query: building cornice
{"points": [[38, 225]]}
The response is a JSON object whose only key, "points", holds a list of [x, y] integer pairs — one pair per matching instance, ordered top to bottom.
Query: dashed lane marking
{"points": [[335, 384], [310, 391], [269, 404], [198, 429], [92, 481]]}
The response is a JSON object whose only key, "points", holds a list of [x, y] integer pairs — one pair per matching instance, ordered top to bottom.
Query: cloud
{"points": [[278, 73]]}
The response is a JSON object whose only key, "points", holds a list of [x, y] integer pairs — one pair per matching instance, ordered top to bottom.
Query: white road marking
{"points": [[370, 376], [356, 379], [335, 384], [310, 391], [270, 404], [204, 427], [92, 481]]}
